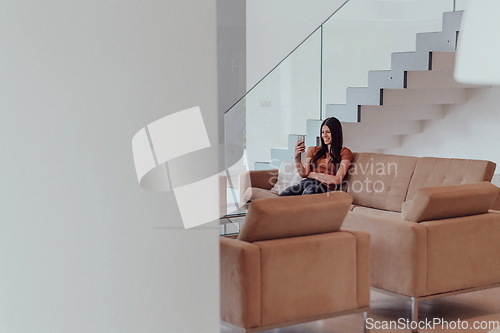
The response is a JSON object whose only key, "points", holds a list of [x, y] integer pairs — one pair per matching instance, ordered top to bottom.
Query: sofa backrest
{"points": [[433, 171], [379, 180], [384, 181], [292, 216]]}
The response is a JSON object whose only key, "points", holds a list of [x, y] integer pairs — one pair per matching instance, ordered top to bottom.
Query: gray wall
{"points": [[231, 47], [231, 64], [82, 248]]}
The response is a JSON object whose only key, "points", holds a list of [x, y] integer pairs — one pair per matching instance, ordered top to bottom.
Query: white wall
{"points": [[276, 27], [467, 131], [82, 248]]}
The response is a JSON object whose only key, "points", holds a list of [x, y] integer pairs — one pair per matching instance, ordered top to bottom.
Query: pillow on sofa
{"points": [[287, 176], [255, 193], [441, 202], [295, 216]]}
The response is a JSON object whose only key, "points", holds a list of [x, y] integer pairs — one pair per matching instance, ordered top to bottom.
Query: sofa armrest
{"points": [[264, 179], [496, 203], [464, 252], [398, 253], [363, 266], [240, 282]]}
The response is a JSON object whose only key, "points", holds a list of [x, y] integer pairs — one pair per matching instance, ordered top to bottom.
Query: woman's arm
{"points": [[302, 170], [332, 179]]}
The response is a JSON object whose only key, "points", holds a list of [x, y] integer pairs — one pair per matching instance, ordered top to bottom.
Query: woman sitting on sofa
{"points": [[325, 166]]}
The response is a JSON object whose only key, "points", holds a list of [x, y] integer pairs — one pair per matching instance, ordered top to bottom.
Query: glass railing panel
{"points": [[362, 36], [279, 105], [276, 107], [235, 139]]}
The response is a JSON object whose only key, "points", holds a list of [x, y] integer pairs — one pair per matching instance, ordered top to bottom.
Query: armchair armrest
{"points": [[496, 203], [398, 252], [363, 258], [240, 282]]}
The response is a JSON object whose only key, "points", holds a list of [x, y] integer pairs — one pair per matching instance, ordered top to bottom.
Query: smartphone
{"points": [[301, 138]]}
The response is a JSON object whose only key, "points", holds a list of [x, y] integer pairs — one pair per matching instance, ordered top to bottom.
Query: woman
{"points": [[326, 165]]}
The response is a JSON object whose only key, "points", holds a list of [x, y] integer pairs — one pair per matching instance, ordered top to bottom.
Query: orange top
{"points": [[323, 164]]}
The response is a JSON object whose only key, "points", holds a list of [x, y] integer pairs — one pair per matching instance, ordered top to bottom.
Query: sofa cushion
{"points": [[432, 171], [287, 176], [380, 180], [254, 193], [433, 203], [387, 214], [295, 216]]}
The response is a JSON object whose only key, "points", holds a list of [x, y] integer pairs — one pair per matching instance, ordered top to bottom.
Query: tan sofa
{"points": [[426, 241], [280, 270]]}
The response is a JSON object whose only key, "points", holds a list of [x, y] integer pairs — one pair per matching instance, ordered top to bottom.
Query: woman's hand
{"points": [[299, 149], [313, 175], [331, 179]]}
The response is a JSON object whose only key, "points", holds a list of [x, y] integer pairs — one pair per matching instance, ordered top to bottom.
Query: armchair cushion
{"points": [[433, 203], [295, 216]]}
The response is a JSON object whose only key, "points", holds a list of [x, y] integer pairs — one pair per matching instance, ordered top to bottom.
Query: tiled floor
{"points": [[477, 306]]}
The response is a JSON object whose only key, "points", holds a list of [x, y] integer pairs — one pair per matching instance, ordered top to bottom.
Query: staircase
{"points": [[395, 102]]}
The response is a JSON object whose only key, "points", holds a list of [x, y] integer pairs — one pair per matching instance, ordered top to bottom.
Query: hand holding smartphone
{"points": [[300, 147]]}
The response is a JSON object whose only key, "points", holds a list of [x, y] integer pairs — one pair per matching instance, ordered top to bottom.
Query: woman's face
{"points": [[326, 135]]}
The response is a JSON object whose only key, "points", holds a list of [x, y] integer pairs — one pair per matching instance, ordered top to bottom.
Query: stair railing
{"points": [[357, 38]]}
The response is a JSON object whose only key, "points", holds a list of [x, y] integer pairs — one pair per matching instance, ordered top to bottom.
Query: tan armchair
{"points": [[291, 264]]}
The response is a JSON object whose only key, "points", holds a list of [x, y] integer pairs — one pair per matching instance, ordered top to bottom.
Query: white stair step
{"points": [[452, 20], [436, 41], [409, 61], [443, 61], [386, 79], [433, 79], [363, 96], [423, 96], [343, 112], [382, 113], [313, 126], [368, 130], [361, 144], [280, 155], [263, 166]]}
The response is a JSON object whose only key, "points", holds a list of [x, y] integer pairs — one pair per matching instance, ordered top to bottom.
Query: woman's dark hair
{"points": [[337, 141]]}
